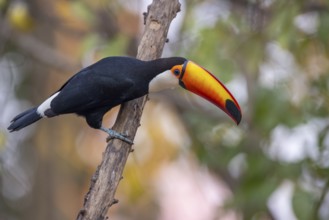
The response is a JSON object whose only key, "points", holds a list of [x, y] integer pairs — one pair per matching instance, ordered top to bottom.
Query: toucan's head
{"points": [[198, 80]]}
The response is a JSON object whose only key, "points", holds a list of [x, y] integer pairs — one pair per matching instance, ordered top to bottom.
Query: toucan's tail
{"points": [[24, 119]]}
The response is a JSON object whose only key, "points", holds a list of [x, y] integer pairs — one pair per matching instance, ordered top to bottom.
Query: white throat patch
{"points": [[163, 81]]}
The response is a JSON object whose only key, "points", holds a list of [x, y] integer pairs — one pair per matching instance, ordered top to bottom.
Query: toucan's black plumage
{"points": [[114, 80], [111, 81]]}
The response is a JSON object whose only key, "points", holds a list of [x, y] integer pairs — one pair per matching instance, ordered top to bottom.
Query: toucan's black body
{"points": [[114, 80], [96, 89]]}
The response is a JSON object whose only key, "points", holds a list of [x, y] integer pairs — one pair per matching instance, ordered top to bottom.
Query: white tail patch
{"points": [[165, 80], [46, 106]]}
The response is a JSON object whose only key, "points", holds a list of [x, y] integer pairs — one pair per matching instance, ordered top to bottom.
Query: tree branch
{"points": [[108, 174]]}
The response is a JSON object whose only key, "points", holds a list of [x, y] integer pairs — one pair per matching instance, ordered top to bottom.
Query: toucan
{"points": [[96, 89]]}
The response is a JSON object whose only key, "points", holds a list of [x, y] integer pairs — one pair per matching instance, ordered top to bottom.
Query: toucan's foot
{"points": [[113, 134]]}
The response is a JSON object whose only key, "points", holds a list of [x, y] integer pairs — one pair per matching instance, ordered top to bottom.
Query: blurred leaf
{"points": [[3, 4], [81, 9], [20, 17], [281, 27], [323, 31], [116, 46], [273, 107], [303, 204]]}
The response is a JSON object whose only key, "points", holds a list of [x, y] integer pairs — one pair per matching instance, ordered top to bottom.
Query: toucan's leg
{"points": [[113, 134]]}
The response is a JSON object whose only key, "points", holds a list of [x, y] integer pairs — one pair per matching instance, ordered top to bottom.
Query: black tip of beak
{"points": [[233, 110]]}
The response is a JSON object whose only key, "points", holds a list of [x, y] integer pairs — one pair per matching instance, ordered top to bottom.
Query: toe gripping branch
{"points": [[113, 134]]}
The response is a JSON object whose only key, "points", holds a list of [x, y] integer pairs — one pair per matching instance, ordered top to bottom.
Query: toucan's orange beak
{"points": [[201, 82]]}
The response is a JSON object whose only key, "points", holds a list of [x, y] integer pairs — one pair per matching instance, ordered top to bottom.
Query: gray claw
{"points": [[113, 134]]}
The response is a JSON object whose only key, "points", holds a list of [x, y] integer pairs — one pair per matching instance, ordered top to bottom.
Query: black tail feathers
{"points": [[24, 119]]}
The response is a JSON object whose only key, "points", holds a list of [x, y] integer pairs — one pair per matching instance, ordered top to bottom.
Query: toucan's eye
{"points": [[176, 72]]}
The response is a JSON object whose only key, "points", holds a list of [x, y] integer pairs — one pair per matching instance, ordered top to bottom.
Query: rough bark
{"points": [[108, 174]]}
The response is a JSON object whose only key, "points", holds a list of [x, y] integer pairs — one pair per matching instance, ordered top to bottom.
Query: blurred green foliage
{"points": [[237, 45]]}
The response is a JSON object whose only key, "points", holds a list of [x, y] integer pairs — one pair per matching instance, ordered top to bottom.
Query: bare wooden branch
{"points": [[108, 174]]}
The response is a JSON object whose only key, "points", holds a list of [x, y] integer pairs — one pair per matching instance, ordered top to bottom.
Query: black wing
{"points": [[89, 90]]}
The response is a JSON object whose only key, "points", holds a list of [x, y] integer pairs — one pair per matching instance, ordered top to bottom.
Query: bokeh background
{"points": [[190, 161]]}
